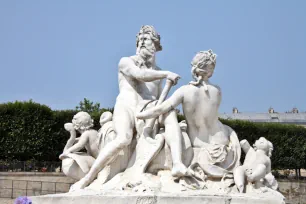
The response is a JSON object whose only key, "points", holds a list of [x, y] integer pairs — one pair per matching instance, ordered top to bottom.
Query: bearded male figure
{"points": [[139, 79]]}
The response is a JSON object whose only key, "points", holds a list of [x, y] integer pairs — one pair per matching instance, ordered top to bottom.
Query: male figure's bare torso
{"points": [[132, 91]]}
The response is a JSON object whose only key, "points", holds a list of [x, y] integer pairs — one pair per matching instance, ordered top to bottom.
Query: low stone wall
{"points": [[36, 176], [14, 184]]}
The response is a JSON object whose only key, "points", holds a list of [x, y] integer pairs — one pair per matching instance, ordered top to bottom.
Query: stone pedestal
{"points": [[123, 197]]}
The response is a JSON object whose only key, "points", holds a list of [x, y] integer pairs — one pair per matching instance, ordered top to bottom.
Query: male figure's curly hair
{"points": [[147, 29]]}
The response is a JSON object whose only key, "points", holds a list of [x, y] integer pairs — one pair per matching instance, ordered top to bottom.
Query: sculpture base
{"points": [[124, 197]]}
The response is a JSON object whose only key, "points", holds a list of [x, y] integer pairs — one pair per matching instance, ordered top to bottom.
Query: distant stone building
{"points": [[290, 117]]}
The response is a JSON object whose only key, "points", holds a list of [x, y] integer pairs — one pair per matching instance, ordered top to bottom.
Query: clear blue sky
{"points": [[58, 52]]}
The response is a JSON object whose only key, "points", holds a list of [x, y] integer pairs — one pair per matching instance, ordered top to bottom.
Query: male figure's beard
{"points": [[146, 52]]}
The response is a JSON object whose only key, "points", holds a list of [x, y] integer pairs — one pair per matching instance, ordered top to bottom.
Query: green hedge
{"points": [[31, 131]]}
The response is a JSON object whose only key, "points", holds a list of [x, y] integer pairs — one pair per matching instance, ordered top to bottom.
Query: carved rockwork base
{"points": [[124, 197]]}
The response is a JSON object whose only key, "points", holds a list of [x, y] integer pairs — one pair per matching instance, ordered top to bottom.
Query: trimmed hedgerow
{"points": [[26, 131], [31, 131]]}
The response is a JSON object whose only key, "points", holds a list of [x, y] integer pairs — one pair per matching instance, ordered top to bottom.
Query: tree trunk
{"points": [[296, 174]]}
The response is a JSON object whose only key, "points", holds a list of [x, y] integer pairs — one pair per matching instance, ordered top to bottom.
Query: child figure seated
{"points": [[82, 123], [76, 164]]}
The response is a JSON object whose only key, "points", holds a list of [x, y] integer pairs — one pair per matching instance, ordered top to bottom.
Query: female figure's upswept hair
{"points": [[147, 29], [200, 60], [82, 121]]}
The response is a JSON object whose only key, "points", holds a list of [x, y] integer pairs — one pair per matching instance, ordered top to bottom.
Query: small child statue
{"points": [[83, 124], [76, 164], [256, 168]]}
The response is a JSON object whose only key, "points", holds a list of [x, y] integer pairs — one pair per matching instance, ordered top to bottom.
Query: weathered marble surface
{"points": [[92, 197]]}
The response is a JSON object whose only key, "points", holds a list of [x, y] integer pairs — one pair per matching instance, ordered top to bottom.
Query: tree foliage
{"points": [[88, 106], [93, 109]]}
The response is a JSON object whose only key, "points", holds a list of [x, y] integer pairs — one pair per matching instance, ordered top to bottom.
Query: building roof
{"points": [[288, 118]]}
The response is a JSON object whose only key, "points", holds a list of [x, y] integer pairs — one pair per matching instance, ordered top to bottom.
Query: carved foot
{"points": [[179, 170], [81, 184]]}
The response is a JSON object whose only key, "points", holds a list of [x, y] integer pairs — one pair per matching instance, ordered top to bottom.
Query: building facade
{"points": [[291, 117]]}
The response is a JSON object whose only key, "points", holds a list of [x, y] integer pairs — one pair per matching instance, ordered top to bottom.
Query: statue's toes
{"points": [[179, 170], [76, 186], [72, 188]]}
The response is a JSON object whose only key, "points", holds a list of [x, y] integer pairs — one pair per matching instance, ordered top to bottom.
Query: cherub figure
{"points": [[82, 123], [76, 164], [256, 168]]}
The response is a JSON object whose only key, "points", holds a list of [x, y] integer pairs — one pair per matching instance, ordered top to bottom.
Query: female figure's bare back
{"points": [[201, 111]]}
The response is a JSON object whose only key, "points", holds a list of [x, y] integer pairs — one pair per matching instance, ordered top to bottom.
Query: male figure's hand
{"points": [[173, 77]]}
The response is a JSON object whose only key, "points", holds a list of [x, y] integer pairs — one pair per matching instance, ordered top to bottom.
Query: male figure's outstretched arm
{"points": [[128, 68]]}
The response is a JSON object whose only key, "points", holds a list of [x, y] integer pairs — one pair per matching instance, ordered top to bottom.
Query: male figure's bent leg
{"points": [[123, 122]]}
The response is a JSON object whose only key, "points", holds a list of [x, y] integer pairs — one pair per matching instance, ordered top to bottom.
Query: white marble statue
{"points": [[140, 80], [142, 148], [256, 168]]}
